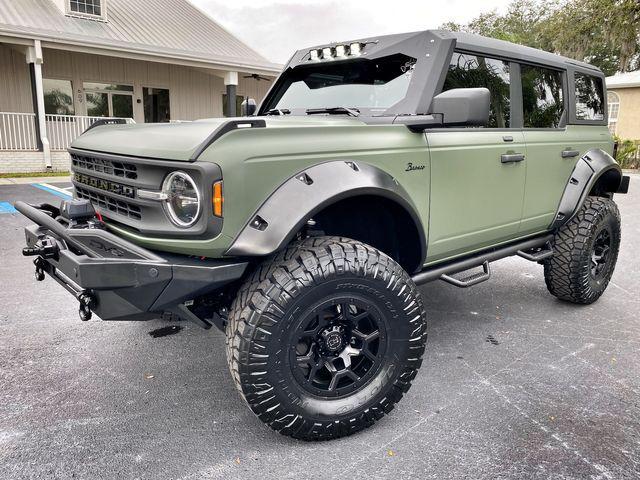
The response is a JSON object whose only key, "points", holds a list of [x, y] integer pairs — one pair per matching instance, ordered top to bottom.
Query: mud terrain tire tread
{"points": [[567, 273], [253, 317]]}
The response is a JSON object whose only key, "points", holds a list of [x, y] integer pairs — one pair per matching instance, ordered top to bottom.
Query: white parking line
{"points": [[64, 191]]}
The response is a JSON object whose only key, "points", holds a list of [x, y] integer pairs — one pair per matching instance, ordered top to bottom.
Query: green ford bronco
{"points": [[303, 228]]}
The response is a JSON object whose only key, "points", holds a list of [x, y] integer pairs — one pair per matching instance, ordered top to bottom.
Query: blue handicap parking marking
{"points": [[6, 207]]}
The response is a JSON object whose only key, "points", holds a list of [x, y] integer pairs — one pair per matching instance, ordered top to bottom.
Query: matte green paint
{"points": [[467, 199]]}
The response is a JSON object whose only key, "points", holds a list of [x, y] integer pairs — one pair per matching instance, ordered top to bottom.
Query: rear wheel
{"points": [[585, 253], [325, 338]]}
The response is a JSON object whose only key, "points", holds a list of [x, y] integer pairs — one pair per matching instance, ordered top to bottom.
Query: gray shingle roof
{"points": [[172, 28]]}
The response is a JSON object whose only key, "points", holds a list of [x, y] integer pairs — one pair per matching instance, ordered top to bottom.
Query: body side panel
{"points": [[255, 162]]}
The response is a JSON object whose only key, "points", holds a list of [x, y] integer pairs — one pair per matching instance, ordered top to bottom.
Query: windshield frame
{"points": [[430, 49]]}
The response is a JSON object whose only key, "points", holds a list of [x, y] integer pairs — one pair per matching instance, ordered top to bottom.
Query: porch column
{"points": [[35, 60], [231, 82]]}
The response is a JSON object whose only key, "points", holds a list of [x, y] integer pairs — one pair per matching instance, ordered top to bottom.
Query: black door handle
{"points": [[570, 153], [512, 157]]}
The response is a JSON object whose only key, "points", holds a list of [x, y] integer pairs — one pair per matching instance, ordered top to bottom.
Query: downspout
{"points": [[35, 60], [231, 82]]}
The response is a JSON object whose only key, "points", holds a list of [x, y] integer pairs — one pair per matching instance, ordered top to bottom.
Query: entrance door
{"points": [[108, 100], [156, 105]]}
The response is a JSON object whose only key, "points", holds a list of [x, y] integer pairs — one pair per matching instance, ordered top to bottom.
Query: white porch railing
{"points": [[64, 129], [18, 131]]}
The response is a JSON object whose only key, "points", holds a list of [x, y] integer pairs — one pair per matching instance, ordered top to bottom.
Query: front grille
{"points": [[101, 165], [108, 203]]}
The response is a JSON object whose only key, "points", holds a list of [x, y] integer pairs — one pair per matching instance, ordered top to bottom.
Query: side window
{"points": [[472, 71], [542, 97], [589, 97]]}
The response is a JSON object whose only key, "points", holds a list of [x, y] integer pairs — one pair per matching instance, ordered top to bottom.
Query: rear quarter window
{"points": [[589, 97]]}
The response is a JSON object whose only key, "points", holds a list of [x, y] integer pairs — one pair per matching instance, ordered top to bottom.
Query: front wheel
{"points": [[585, 252], [325, 337]]}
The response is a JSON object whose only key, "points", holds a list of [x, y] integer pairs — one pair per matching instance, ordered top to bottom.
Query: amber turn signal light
{"points": [[218, 199]]}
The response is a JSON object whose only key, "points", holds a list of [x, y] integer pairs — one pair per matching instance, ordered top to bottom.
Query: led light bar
{"points": [[338, 52]]}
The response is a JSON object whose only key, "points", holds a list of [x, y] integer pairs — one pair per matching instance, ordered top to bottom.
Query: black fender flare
{"points": [[593, 166], [300, 197]]}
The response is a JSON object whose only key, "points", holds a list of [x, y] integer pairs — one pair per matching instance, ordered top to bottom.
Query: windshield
{"points": [[362, 84]]}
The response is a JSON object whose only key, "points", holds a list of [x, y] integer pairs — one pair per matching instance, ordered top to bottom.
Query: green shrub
{"points": [[627, 154]]}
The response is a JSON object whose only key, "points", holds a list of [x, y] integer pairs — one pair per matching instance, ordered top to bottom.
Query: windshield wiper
{"points": [[278, 111], [354, 112]]}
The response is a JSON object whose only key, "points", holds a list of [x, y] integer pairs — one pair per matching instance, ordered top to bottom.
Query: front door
{"points": [[477, 174], [477, 188]]}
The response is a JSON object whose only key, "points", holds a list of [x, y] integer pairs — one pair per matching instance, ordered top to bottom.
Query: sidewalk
{"points": [[26, 180]]}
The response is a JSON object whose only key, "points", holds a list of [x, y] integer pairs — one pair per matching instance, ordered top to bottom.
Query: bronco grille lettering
{"points": [[105, 185]]}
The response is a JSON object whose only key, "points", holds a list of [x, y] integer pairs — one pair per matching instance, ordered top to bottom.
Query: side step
{"points": [[534, 249], [536, 254], [471, 280]]}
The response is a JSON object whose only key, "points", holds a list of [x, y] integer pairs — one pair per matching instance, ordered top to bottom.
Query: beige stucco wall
{"points": [[194, 93], [629, 117]]}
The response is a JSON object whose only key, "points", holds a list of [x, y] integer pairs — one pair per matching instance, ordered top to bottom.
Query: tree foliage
{"points": [[605, 33]]}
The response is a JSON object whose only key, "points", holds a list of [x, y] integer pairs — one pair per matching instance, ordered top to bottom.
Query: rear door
{"points": [[553, 147], [477, 174]]}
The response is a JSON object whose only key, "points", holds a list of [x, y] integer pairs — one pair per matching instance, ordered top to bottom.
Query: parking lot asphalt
{"points": [[514, 384]]}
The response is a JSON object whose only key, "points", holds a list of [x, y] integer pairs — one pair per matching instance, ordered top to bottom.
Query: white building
{"points": [[66, 63]]}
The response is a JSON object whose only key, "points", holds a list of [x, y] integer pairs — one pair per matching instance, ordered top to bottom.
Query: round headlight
{"points": [[183, 199]]}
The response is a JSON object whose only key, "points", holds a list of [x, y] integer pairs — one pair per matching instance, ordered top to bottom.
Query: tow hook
{"points": [[87, 302]]}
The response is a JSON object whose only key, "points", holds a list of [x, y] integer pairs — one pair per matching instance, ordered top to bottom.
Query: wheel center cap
{"points": [[333, 341]]}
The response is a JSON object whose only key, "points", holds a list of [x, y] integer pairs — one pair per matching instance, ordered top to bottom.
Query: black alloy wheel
{"points": [[338, 346]]}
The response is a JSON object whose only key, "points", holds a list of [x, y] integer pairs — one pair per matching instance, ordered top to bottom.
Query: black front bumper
{"points": [[117, 279]]}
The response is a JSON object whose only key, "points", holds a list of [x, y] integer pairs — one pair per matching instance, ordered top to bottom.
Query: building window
{"points": [[86, 7], [472, 71], [58, 97], [542, 97], [589, 97], [108, 100], [613, 101], [156, 105], [225, 108]]}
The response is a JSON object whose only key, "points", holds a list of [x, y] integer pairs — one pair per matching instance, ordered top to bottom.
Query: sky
{"points": [[276, 28]]}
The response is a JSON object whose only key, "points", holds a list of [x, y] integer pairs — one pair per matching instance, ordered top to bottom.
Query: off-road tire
{"points": [[568, 274], [270, 303]]}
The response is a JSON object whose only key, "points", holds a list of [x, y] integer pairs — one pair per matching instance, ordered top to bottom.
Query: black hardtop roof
{"points": [[471, 42], [477, 43]]}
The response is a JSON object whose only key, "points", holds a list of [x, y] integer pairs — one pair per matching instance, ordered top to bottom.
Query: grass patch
{"points": [[34, 174]]}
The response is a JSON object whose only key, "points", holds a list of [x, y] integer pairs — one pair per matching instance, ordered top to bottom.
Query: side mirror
{"points": [[463, 106], [248, 107]]}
